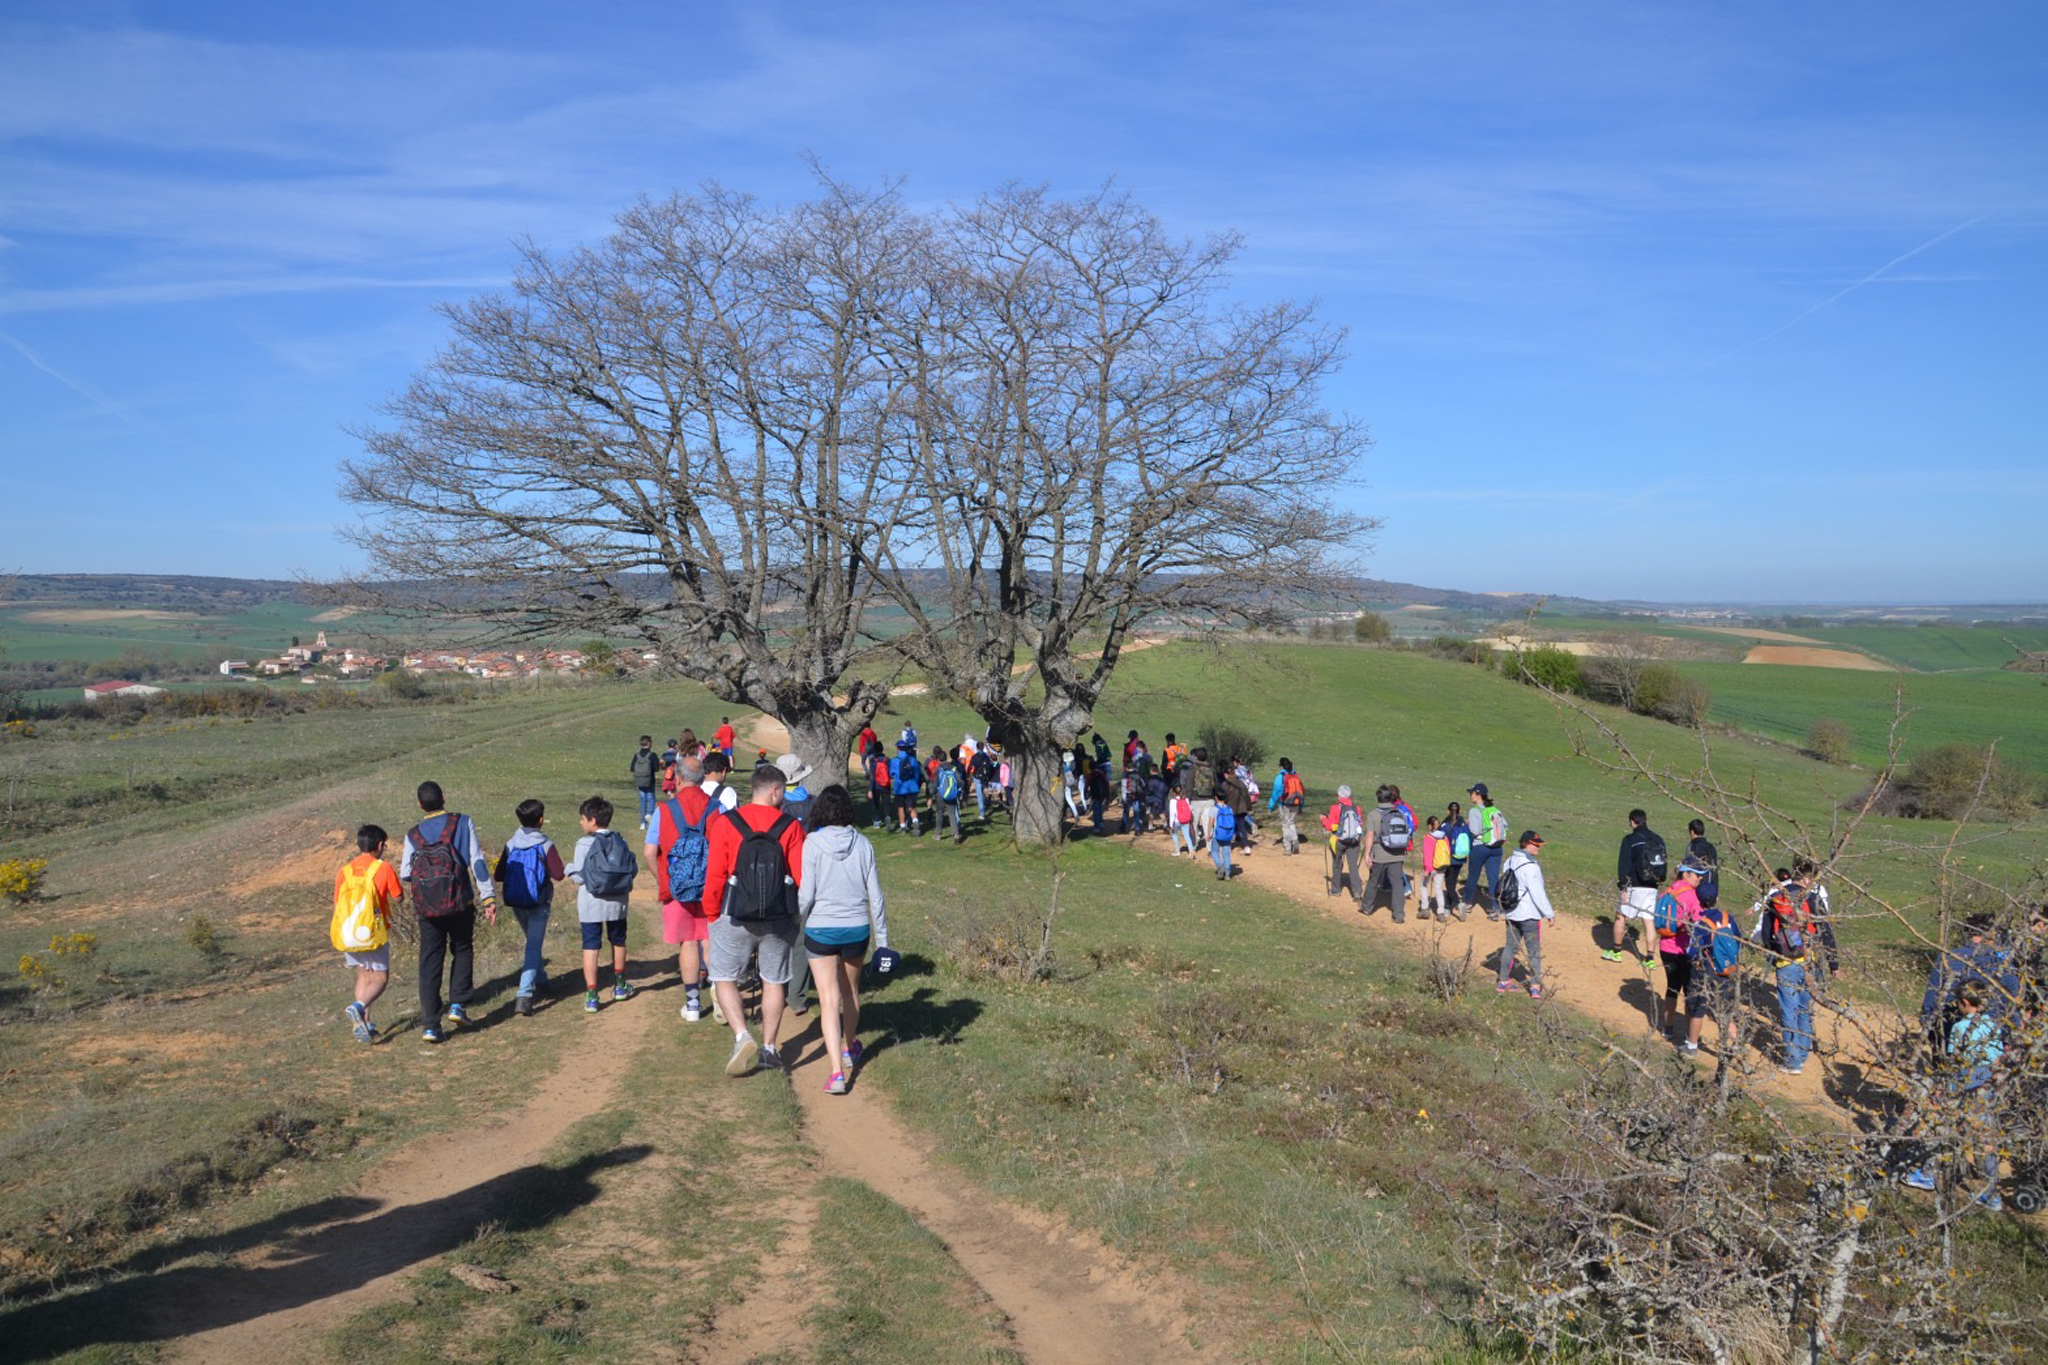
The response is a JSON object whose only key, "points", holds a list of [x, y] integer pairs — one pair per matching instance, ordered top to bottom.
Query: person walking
{"points": [[645, 768], [1197, 782], [1232, 794], [1288, 797], [1346, 829], [1489, 830], [1388, 833], [1458, 844], [1436, 854], [444, 869], [1639, 872], [751, 889], [840, 904], [1676, 917], [1524, 920], [1781, 932]]}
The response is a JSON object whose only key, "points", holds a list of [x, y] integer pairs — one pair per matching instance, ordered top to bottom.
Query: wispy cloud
{"points": [[197, 291]]}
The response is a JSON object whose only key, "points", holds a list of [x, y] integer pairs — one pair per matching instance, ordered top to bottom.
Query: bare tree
{"points": [[681, 436], [1102, 446]]}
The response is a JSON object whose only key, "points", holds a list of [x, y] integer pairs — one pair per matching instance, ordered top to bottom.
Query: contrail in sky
{"points": [[1851, 288], [82, 390]]}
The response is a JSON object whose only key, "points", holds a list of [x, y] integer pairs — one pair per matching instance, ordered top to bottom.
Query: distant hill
{"points": [[152, 592]]}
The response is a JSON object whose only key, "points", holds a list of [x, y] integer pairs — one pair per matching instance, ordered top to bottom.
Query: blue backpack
{"points": [[949, 783], [1226, 825], [690, 852], [526, 875], [1667, 918], [1719, 946]]}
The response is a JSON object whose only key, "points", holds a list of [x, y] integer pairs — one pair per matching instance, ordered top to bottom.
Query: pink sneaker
{"points": [[1535, 990], [836, 1085]]}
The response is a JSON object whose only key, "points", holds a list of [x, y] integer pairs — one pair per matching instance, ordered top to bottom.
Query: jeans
{"points": [[981, 799], [646, 806], [1183, 836], [1219, 851], [1485, 859], [533, 922], [450, 936], [1795, 1012]]}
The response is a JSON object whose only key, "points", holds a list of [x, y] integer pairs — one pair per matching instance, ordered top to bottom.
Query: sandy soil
{"points": [[1579, 647], [1814, 658]]}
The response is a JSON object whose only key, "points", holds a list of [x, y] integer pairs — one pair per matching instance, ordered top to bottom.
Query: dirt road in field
{"points": [[1621, 996], [275, 1303]]}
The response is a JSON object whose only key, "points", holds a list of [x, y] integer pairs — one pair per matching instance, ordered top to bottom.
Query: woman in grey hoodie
{"points": [[840, 900]]}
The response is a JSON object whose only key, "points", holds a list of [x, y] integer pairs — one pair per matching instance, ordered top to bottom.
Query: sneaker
{"points": [[1611, 955], [1503, 986], [622, 990], [1535, 990], [590, 1002], [800, 1005], [523, 1007], [717, 1010], [356, 1013], [457, 1015], [364, 1033], [430, 1034], [1690, 1046], [745, 1052], [851, 1056], [771, 1059], [1799, 1070], [836, 1083], [1917, 1180], [1990, 1200]]}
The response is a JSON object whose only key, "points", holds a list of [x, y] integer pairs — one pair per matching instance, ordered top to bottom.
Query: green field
{"points": [[252, 632], [1935, 649], [1973, 707]]}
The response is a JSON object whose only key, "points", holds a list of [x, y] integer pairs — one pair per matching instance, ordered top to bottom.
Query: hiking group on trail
{"points": [[781, 888]]}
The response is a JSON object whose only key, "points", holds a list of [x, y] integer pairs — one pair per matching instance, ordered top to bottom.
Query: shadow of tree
{"points": [[318, 1251]]}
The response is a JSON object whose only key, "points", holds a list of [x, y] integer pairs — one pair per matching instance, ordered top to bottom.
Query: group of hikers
{"points": [[779, 887]]}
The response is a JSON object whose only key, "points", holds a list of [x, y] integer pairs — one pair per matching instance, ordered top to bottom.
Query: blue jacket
{"points": [[1984, 962]]}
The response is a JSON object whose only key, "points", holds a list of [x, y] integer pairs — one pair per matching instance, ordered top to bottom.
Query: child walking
{"points": [[528, 869], [603, 870], [365, 889]]}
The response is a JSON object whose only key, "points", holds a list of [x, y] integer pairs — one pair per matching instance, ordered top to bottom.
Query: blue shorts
{"points": [[595, 931]]}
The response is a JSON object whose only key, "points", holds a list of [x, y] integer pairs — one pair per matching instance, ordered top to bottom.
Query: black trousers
{"points": [[449, 936]]}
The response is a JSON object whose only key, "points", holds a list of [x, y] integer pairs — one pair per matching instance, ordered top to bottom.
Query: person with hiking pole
{"points": [[1346, 829]]}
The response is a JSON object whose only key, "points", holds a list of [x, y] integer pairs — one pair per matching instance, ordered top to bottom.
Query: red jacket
{"points": [[724, 850]]}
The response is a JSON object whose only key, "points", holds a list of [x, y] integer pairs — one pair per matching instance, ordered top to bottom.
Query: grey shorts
{"points": [[730, 945]]}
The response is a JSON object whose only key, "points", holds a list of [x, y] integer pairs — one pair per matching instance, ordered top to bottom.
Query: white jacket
{"points": [[1535, 901]]}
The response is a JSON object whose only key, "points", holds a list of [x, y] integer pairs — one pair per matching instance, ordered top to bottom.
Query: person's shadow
{"points": [[890, 1022], [321, 1250]]}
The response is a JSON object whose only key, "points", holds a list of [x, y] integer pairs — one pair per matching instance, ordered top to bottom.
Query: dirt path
{"points": [[1618, 995], [275, 1303]]}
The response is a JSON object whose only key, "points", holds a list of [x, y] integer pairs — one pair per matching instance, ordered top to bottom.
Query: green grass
{"points": [[1936, 649], [1973, 707]]}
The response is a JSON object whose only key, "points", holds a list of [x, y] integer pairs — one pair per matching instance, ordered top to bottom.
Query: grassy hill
{"points": [[1936, 649]]}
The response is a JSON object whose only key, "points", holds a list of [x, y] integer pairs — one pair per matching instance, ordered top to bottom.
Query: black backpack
{"points": [[1651, 862], [609, 867], [440, 883], [760, 889], [1508, 895]]}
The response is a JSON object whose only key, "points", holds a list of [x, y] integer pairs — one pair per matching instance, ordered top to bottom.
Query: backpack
{"points": [[984, 766], [879, 772], [909, 772], [949, 783], [1292, 792], [1183, 813], [1226, 825], [1496, 826], [1350, 829], [1395, 831], [1461, 845], [689, 853], [1649, 866], [609, 867], [526, 875], [440, 883], [760, 889], [1508, 895], [1667, 916], [1784, 925], [356, 926], [1720, 945]]}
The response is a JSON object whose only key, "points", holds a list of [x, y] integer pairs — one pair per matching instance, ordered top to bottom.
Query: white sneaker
{"points": [[717, 1010], [692, 1012], [745, 1052]]}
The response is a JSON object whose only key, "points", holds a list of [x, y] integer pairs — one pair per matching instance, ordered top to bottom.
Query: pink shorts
{"points": [[684, 922]]}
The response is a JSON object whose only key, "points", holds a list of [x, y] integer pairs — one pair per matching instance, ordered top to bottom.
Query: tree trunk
{"points": [[1035, 768]]}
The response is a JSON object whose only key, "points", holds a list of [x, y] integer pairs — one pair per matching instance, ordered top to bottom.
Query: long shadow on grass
{"points": [[891, 1022], [311, 1262]]}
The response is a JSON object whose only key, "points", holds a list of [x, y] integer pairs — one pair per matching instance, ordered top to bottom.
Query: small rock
{"points": [[481, 1280]]}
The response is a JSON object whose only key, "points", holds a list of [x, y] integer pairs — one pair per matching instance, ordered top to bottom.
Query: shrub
{"points": [[1372, 628], [1550, 667], [1662, 691], [1223, 741], [1829, 741], [1944, 784], [21, 879], [204, 938]]}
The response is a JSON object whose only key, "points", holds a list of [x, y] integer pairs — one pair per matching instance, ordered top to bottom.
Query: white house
{"points": [[233, 668], [100, 691]]}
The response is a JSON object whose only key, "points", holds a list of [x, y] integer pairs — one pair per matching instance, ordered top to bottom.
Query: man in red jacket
{"points": [[750, 898]]}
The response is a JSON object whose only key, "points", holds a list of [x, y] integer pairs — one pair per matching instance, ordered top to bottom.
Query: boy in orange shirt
{"points": [[365, 889]]}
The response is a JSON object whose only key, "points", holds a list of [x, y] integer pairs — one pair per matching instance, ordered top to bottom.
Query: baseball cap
{"points": [[1480, 787], [1343, 792], [1529, 836], [886, 960]]}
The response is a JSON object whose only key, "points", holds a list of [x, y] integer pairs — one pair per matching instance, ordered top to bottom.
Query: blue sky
{"points": [[1681, 301]]}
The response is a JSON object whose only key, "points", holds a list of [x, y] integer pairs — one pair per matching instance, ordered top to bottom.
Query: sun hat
{"points": [[794, 769], [1343, 793]]}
